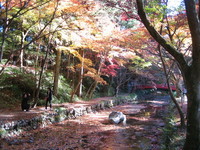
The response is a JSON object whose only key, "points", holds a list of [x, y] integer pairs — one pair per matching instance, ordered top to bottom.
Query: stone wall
{"points": [[59, 114]]}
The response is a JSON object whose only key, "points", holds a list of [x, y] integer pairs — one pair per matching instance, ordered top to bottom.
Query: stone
{"points": [[117, 117]]}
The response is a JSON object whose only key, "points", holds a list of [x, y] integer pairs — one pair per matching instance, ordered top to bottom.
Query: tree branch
{"points": [[172, 50]]}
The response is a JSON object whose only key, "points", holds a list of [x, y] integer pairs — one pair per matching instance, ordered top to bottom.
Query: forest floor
{"points": [[15, 113], [93, 131]]}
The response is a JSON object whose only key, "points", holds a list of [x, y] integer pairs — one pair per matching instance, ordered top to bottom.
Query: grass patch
{"points": [[173, 137]]}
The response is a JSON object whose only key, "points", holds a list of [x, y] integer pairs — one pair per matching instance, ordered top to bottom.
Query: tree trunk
{"points": [[5, 29], [2, 45], [22, 53], [6, 63], [68, 64], [36, 65], [57, 72], [191, 73], [81, 74], [192, 77], [40, 81], [95, 83], [110, 86], [92, 89], [74, 91], [88, 91], [117, 91], [193, 109], [181, 114]]}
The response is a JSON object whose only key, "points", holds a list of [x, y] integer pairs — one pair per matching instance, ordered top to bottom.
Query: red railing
{"points": [[156, 86]]}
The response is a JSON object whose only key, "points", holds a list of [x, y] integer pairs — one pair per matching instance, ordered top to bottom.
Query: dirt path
{"points": [[14, 114], [94, 132]]}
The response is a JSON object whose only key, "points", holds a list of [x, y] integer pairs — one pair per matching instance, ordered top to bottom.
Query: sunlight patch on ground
{"points": [[98, 115], [6, 116]]}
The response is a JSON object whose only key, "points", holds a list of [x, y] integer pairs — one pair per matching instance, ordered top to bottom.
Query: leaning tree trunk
{"points": [[190, 72], [95, 83], [89, 89], [92, 89], [74, 91], [36, 98], [181, 114]]}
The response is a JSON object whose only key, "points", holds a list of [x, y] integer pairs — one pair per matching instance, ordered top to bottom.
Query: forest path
{"points": [[14, 114], [94, 132]]}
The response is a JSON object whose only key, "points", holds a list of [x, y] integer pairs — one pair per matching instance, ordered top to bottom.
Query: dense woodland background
{"points": [[83, 49]]}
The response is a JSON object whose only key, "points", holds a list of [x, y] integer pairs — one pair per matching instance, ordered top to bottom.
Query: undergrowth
{"points": [[14, 82], [173, 137]]}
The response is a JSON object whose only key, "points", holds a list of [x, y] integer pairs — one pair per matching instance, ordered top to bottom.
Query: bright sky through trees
{"points": [[174, 3]]}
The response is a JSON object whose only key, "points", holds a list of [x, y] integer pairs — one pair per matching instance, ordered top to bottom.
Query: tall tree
{"points": [[11, 11], [16, 12], [190, 71], [57, 72]]}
